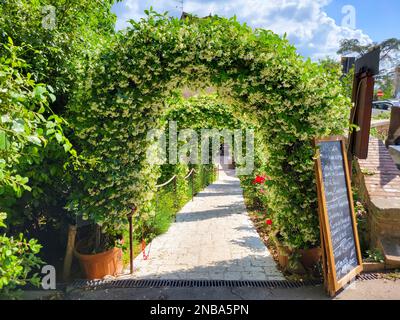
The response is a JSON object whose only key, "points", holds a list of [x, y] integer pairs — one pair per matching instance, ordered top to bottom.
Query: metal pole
{"points": [[203, 180], [192, 185], [176, 193], [130, 217]]}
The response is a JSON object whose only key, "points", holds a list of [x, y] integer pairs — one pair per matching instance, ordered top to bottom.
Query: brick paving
{"points": [[381, 175], [212, 238]]}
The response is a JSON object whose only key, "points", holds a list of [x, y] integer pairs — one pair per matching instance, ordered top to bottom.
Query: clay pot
{"points": [[283, 252], [283, 255], [310, 257], [97, 266]]}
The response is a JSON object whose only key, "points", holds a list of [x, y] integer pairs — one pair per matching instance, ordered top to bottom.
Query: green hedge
{"points": [[167, 202]]}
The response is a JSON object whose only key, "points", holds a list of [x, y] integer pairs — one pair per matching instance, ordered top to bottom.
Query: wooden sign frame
{"points": [[333, 285]]}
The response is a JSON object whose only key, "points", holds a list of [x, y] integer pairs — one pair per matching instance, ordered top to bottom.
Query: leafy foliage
{"points": [[60, 45], [56, 55], [291, 100], [204, 112], [23, 128], [375, 256], [17, 262]]}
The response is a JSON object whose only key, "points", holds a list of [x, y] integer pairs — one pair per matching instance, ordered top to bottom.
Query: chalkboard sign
{"points": [[338, 226]]}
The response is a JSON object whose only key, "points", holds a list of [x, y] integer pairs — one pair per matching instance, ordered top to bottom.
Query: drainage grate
{"points": [[369, 276], [159, 283]]}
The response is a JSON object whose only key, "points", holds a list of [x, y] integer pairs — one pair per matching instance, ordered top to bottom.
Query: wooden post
{"points": [[363, 92], [394, 128], [130, 217], [69, 252]]}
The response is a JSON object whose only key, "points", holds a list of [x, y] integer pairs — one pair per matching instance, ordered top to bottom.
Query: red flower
{"points": [[259, 180], [268, 222]]}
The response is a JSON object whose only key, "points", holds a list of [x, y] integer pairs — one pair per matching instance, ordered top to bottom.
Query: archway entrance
{"points": [[289, 100], [212, 236]]}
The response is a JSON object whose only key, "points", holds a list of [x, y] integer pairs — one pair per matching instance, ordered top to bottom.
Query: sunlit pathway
{"points": [[212, 238]]}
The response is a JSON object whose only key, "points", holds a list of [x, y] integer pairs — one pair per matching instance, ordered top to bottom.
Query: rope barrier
{"points": [[190, 173], [165, 183], [143, 242]]}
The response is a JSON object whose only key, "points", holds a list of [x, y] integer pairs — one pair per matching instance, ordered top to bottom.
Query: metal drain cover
{"points": [[159, 283]]}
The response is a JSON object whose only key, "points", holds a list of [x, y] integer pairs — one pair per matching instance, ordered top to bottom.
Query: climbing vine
{"points": [[290, 100]]}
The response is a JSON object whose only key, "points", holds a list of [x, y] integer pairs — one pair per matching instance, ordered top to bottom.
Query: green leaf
{"points": [[18, 126], [59, 136], [3, 140], [34, 140]]}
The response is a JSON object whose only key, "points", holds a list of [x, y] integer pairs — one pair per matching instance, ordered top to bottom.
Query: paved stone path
{"points": [[212, 238]]}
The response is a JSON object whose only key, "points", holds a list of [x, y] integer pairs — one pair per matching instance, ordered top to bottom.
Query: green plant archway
{"points": [[292, 100]]}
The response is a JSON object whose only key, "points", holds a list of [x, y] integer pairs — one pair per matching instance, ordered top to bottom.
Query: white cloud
{"points": [[307, 26]]}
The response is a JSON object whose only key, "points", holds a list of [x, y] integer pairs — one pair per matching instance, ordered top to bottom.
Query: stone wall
{"points": [[378, 179]]}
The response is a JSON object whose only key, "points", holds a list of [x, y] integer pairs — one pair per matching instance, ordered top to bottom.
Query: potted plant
{"points": [[99, 254], [309, 257], [375, 261]]}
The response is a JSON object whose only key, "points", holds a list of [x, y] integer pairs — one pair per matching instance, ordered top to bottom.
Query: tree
{"points": [[389, 49], [58, 50], [56, 56], [389, 58], [386, 84]]}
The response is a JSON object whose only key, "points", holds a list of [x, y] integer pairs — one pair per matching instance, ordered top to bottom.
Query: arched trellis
{"points": [[292, 100]]}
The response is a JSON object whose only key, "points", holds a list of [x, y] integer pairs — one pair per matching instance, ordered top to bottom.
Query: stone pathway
{"points": [[382, 180], [212, 238]]}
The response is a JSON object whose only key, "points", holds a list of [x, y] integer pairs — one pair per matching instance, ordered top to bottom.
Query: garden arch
{"points": [[291, 101]]}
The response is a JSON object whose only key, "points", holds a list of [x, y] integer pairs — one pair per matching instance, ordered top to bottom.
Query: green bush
{"points": [[37, 73], [166, 203], [18, 261]]}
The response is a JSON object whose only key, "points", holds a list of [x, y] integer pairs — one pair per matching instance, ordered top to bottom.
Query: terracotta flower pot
{"points": [[283, 252], [283, 255], [310, 257], [283, 259], [97, 266]]}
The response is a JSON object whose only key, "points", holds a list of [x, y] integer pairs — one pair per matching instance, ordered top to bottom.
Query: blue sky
{"points": [[377, 18], [315, 27]]}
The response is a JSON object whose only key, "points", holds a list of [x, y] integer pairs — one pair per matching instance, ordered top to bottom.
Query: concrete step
{"points": [[390, 247]]}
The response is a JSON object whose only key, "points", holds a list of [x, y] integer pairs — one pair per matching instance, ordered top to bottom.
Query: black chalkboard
{"points": [[338, 207], [341, 252]]}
